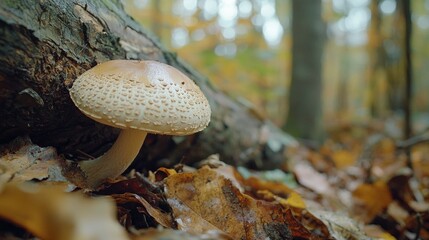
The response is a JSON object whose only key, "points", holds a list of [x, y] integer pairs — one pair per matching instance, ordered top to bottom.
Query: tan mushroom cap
{"points": [[144, 95]]}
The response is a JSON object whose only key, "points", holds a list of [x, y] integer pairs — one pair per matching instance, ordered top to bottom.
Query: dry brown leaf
{"points": [[29, 162], [232, 174], [312, 179], [277, 188], [372, 199], [206, 201], [141, 203], [51, 214], [161, 217], [340, 226], [376, 232], [170, 234]]}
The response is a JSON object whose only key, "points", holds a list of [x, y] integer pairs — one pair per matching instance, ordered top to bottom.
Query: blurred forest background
{"points": [[245, 48], [333, 73]]}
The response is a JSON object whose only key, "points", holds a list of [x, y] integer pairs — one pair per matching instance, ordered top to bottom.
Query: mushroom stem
{"points": [[116, 160]]}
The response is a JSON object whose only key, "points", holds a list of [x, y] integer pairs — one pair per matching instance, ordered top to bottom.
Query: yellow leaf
{"points": [[343, 158], [373, 198], [295, 200], [49, 213], [387, 236]]}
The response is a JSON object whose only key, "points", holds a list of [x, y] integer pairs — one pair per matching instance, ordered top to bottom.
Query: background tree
{"points": [[376, 69], [305, 100], [408, 131]]}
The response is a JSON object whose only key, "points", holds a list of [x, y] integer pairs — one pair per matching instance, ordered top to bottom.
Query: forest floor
{"points": [[357, 185]]}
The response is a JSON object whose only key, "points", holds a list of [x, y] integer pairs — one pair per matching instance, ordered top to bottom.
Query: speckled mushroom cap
{"points": [[145, 95]]}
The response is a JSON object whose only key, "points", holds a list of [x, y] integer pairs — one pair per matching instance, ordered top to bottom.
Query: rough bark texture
{"points": [[45, 45]]}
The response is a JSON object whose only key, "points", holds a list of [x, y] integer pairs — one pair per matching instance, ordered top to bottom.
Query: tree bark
{"points": [[45, 45]]}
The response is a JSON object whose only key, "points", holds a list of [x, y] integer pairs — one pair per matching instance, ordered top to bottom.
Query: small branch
{"points": [[410, 142]]}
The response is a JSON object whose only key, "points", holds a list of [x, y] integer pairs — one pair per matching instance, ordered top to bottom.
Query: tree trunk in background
{"points": [[45, 45], [387, 59], [395, 61], [376, 69], [344, 82], [305, 102], [408, 131]]}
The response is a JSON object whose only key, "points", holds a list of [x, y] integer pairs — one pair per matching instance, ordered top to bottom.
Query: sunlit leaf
{"points": [[195, 196], [373, 199], [51, 214]]}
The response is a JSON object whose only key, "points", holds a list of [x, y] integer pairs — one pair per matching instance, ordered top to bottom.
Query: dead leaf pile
{"points": [[361, 174], [356, 186]]}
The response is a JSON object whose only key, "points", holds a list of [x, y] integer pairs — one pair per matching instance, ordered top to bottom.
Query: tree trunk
{"points": [[45, 45], [394, 53], [376, 70], [304, 117], [408, 123]]}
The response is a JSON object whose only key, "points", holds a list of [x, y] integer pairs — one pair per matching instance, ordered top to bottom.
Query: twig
{"points": [[410, 142]]}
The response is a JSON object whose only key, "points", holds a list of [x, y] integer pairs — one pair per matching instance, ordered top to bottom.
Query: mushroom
{"points": [[138, 97]]}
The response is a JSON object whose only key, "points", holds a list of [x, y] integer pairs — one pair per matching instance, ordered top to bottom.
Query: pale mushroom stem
{"points": [[116, 160]]}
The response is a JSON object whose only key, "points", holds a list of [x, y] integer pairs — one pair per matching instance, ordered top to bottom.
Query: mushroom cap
{"points": [[144, 95]]}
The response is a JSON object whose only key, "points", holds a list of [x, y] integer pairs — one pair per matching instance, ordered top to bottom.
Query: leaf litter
{"points": [[351, 188]]}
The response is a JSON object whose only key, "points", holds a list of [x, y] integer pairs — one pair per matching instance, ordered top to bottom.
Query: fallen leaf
{"points": [[344, 158], [24, 161], [162, 173], [232, 174], [275, 175], [312, 179], [140, 186], [279, 189], [372, 199], [295, 200], [206, 201], [136, 202], [141, 203], [419, 206], [397, 212], [51, 214], [340, 226], [376, 232], [170, 234]]}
